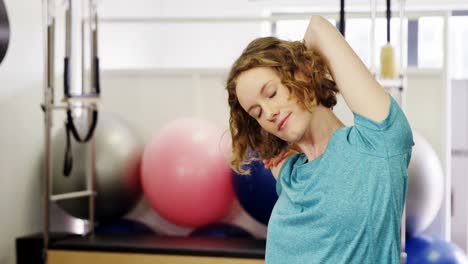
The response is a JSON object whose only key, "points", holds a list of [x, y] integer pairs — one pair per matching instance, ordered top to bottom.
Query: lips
{"points": [[283, 122]]}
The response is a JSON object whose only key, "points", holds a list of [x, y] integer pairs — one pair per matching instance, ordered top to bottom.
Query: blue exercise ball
{"points": [[256, 192], [123, 227], [221, 230], [415, 246], [423, 250]]}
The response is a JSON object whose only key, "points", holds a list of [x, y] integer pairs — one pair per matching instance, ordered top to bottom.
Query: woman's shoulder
{"points": [[290, 163]]}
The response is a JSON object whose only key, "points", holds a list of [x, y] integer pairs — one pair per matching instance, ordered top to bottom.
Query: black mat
{"points": [[156, 244]]}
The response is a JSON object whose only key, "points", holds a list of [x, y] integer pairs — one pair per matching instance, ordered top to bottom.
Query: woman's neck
{"points": [[323, 124]]}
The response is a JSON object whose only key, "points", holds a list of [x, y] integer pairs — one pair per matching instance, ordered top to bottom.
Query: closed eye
{"points": [[260, 111]]}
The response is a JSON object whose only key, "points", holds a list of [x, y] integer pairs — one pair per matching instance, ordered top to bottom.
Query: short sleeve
{"points": [[391, 136], [286, 171]]}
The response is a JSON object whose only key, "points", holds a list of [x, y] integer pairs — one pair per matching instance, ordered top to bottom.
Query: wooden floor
{"points": [[90, 257]]}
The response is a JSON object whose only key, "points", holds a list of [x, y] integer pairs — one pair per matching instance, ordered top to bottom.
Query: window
{"points": [[292, 29], [425, 38], [430, 42], [459, 47]]}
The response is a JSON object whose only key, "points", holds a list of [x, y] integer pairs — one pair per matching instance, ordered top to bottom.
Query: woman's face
{"points": [[262, 95]]}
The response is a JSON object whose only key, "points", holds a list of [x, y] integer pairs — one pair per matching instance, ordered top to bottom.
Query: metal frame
{"points": [[273, 17], [48, 106]]}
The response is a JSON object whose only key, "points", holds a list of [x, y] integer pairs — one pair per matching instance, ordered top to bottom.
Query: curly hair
{"points": [[287, 59]]}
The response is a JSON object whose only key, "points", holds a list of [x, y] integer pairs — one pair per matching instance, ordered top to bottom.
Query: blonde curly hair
{"points": [[287, 59]]}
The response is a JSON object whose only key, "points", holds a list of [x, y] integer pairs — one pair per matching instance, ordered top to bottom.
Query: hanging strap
{"points": [[342, 22], [70, 128]]}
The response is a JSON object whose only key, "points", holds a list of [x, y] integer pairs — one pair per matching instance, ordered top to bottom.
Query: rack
{"points": [[70, 103]]}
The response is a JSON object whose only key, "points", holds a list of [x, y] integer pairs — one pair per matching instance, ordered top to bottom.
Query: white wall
{"points": [[21, 134]]}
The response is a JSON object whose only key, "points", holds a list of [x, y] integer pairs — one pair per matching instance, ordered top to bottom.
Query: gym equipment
{"points": [[5, 29], [387, 53], [118, 156], [185, 174], [425, 186], [256, 192], [424, 250]]}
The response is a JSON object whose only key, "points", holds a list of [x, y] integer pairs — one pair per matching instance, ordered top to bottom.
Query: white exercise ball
{"points": [[425, 187]]}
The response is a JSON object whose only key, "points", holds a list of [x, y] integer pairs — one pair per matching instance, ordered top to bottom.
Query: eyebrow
{"points": [[261, 92]]}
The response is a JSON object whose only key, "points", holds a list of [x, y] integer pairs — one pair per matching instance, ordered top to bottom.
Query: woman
{"points": [[342, 196]]}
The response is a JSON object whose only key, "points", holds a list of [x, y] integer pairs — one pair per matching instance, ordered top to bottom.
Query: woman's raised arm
{"points": [[362, 93]]}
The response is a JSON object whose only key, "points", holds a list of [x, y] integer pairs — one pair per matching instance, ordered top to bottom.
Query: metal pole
{"points": [[373, 11], [68, 29], [93, 43], [83, 65], [94, 83], [48, 93], [92, 186], [447, 229]]}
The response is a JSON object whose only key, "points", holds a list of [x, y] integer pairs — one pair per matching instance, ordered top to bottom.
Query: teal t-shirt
{"points": [[344, 206]]}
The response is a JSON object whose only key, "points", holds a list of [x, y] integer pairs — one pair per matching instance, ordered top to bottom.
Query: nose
{"points": [[271, 113]]}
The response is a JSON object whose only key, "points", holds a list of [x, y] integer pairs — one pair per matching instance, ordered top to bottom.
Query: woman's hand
{"points": [[275, 164]]}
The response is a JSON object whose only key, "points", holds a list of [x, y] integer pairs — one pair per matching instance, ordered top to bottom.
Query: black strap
{"points": [[389, 15], [342, 23], [96, 76], [66, 77], [70, 128], [76, 135], [67, 157]]}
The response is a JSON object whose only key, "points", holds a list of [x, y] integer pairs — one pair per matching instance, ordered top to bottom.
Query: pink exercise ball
{"points": [[185, 174]]}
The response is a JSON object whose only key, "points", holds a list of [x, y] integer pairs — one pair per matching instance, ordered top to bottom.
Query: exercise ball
{"points": [[118, 156], [185, 174], [425, 187], [256, 191], [123, 227], [221, 230], [414, 248], [423, 250]]}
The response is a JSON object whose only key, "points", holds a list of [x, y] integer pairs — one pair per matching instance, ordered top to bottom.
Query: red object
{"points": [[185, 174]]}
